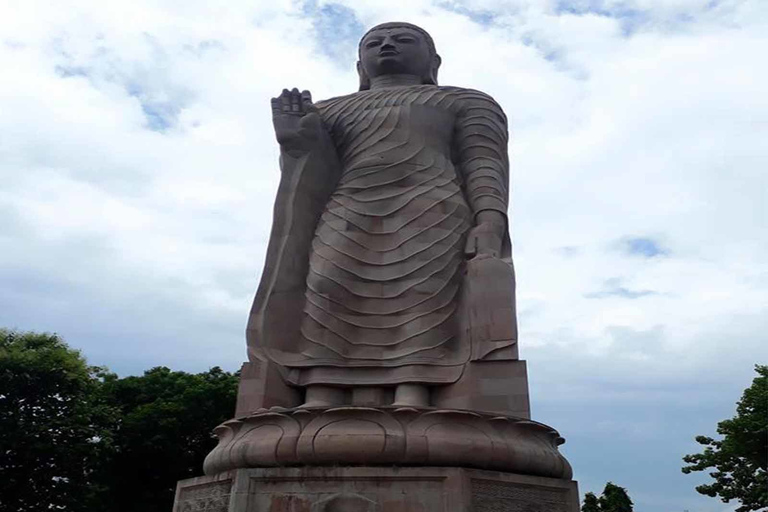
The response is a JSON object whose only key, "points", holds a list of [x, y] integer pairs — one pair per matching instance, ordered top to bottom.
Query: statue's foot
{"points": [[411, 395], [323, 396]]}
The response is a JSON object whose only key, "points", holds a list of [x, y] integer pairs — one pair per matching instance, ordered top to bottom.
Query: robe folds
{"points": [[386, 261]]}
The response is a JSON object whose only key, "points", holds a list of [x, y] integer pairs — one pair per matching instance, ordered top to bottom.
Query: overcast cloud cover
{"points": [[139, 167]]}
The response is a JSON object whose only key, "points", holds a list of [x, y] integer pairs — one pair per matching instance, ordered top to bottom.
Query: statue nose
{"points": [[388, 49]]}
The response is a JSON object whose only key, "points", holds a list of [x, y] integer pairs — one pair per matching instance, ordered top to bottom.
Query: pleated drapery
{"points": [[388, 252]]}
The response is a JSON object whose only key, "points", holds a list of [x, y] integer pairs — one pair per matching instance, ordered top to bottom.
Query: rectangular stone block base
{"points": [[374, 489]]}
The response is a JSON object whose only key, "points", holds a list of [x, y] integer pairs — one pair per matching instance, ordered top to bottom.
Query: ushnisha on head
{"points": [[397, 48]]}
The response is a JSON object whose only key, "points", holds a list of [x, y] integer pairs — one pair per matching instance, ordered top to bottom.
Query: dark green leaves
{"points": [[54, 424], [164, 432], [76, 438], [740, 458], [613, 499], [591, 503]]}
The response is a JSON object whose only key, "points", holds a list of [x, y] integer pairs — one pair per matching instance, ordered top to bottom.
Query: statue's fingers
{"points": [[285, 100], [295, 100], [306, 102], [276, 106], [470, 247]]}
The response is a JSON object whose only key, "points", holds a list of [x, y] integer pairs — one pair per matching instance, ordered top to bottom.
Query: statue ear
{"points": [[432, 78], [365, 82]]}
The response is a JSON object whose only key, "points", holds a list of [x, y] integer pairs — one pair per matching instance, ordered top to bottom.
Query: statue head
{"points": [[397, 48]]}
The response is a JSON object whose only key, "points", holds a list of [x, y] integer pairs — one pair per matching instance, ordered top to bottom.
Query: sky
{"points": [[138, 169]]}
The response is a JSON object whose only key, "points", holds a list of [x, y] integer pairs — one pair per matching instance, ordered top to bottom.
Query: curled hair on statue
{"points": [[430, 77]]}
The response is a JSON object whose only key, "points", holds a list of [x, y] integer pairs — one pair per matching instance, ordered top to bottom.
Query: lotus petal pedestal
{"points": [[363, 436], [382, 459]]}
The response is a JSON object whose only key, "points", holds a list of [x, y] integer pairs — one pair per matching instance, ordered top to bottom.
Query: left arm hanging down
{"points": [[481, 156]]}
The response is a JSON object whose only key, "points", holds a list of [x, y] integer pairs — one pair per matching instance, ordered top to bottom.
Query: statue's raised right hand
{"points": [[297, 123]]}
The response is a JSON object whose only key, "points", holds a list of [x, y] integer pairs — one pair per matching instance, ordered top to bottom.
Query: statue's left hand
{"points": [[487, 237]]}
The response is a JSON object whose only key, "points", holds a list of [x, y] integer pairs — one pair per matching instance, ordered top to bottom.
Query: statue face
{"points": [[392, 51]]}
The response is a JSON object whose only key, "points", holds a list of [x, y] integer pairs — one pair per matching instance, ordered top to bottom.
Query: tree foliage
{"points": [[54, 425], [163, 433], [77, 438], [740, 458], [613, 499], [591, 503]]}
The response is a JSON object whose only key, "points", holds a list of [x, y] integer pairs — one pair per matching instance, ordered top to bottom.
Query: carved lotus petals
{"points": [[355, 435], [363, 436], [455, 438], [263, 440], [356, 441], [530, 445], [219, 457]]}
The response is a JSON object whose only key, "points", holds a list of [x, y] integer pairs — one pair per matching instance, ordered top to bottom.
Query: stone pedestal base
{"points": [[374, 489]]}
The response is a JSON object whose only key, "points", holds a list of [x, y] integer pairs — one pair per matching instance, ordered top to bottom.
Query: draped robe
{"points": [[383, 286]]}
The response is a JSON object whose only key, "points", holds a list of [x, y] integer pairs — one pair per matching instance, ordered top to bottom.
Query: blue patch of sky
{"points": [[713, 4], [481, 17], [630, 19], [337, 29], [547, 51], [557, 57], [70, 71], [161, 102], [159, 115], [644, 247], [613, 288]]}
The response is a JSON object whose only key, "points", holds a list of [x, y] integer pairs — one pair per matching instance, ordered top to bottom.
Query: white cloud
{"points": [[139, 170]]}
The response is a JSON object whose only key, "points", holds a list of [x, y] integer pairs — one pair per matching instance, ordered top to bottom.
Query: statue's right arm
{"points": [[298, 127], [308, 156], [309, 172]]}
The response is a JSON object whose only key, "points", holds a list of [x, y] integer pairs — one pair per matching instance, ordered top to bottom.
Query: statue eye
{"points": [[405, 39], [372, 44]]}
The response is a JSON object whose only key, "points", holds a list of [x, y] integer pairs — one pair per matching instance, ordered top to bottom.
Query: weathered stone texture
{"points": [[368, 489], [500, 496], [205, 497]]}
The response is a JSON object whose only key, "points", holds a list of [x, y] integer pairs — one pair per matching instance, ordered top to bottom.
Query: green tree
{"points": [[53, 423], [163, 433], [75, 437], [740, 458], [615, 499], [590, 503]]}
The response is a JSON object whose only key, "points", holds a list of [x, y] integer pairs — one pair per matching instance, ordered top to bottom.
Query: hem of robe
{"points": [[373, 376]]}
